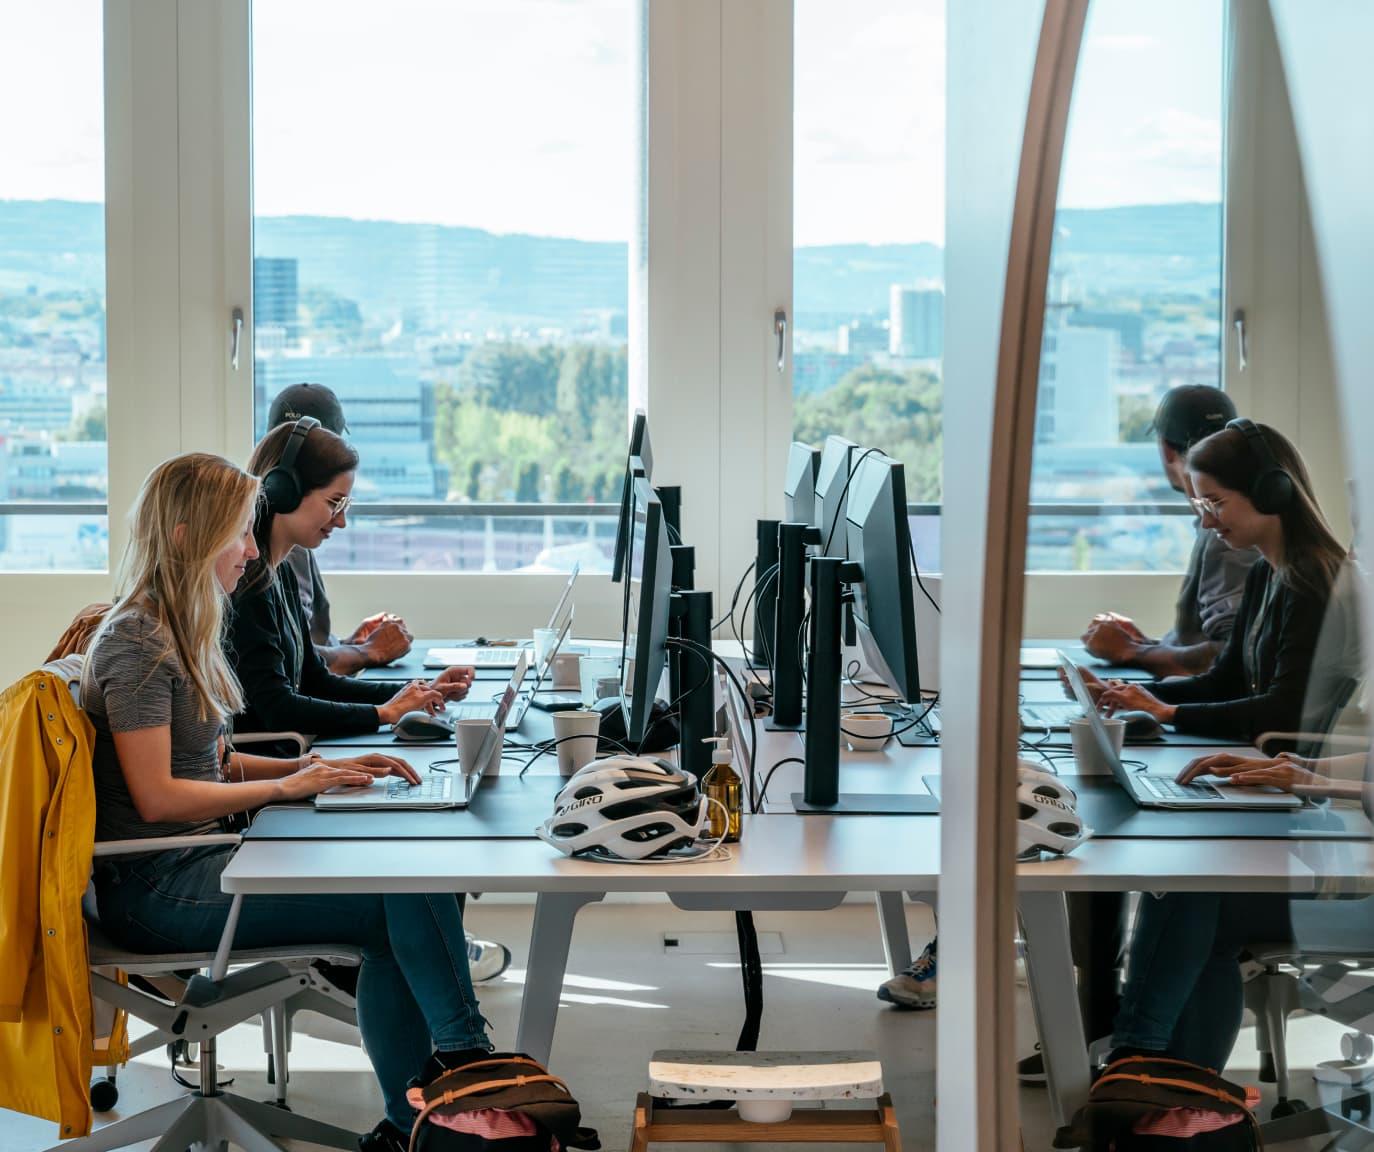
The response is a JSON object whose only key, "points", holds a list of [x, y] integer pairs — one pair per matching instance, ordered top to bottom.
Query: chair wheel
{"points": [[1267, 1074], [104, 1095], [1357, 1104], [1287, 1108]]}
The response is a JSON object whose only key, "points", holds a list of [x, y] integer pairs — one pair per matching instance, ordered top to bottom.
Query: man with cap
{"points": [[1215, 579], [379, 639]]}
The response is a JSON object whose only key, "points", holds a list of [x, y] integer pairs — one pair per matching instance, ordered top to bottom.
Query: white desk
{"points": [[788, 862]]}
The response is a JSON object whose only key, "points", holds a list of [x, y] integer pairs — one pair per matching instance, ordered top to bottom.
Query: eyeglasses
{"points": [[340, 506], [1205, 506]]}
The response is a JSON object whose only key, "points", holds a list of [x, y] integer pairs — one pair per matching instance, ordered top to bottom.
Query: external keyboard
{"points": [[430, 788], [1167, 788]]}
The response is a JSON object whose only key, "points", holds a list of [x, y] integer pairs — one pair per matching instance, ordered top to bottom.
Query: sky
{"points": [[515, 115]]}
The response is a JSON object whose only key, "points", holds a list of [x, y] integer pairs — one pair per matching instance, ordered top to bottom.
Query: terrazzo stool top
{"points": [[679, 1074]]}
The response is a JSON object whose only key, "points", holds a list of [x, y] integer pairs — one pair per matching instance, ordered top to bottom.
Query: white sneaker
{"points": [[486, 959], [914, 988]]}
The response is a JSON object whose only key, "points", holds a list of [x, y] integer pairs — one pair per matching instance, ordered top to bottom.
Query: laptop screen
{"points": [[1085, 701], [492, 741]]}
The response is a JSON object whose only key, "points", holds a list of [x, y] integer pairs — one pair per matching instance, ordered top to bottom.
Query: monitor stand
{"points": [[870, 804]]}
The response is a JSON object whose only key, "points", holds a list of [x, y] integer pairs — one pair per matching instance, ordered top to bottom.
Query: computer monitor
{"points": [[640, 449], [837, 458], [799, 485], [879, 541], [649, 576]]}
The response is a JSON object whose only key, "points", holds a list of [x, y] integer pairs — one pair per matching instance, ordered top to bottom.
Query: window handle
{"points": [[780, 331], [235, 334], [1242, 341]]}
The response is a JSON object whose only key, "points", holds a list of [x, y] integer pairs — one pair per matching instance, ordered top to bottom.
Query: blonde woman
{"points": [[159, 689]]}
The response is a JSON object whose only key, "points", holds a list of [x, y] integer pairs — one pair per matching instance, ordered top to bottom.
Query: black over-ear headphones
{"points": [[282, 485], [1271, 491]]}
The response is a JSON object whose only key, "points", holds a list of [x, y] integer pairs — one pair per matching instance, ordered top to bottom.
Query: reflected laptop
{"points": [[503, 656], [437, 788], [1156, 791]]}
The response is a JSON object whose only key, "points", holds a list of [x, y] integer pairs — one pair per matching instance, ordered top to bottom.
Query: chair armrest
{"points": [[1332, 740], [301, 742], [162, 843]]}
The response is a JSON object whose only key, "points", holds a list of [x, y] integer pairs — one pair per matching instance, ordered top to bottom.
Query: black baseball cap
{"points": [[307, 400], [1190, 413]]}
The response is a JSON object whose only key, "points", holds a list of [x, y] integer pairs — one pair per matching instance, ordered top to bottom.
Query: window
{"points": [[868, 228], [446, 247], [52, 289], [1134, 299]]}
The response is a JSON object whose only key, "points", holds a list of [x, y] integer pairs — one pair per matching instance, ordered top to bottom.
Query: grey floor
{"points": [[627, 995]]}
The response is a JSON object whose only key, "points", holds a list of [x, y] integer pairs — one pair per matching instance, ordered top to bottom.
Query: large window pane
{"points": [[868, 229], [445, 246], [52, 287], [1134, 301]]}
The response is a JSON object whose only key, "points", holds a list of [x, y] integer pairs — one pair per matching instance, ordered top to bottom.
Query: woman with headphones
{"points": [[307, 482], [1251, 488], [1184, 992]]}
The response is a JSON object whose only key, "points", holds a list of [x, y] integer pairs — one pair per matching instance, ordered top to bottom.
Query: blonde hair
{"points": [[189, 510]]}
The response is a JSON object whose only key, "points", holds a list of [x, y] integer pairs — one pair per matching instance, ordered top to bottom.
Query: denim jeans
{"points": [[414, 990], [1183, 990]]}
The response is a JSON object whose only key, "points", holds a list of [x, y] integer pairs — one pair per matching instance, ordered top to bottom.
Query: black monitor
{"points": [[639, 449], [837, 458], [799, 485], [879, 541], [649, 587]]}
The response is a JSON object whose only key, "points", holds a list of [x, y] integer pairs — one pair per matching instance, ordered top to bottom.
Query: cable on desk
{"points": [[544, 747], [763, 792]]}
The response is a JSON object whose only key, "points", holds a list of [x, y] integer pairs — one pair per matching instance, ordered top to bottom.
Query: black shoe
{"points": [[1031, 1069], [386, 1137]]}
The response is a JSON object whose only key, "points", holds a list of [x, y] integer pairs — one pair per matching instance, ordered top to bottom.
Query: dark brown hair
{"points": [[323, 457], [1312, 556]]}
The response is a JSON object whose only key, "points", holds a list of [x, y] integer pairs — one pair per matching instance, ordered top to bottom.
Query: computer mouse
{"points": [[423, 726], [1140, 726]]}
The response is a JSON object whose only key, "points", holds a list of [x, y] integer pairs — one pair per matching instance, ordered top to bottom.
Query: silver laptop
{"points": [[503, 656], [520, 701], [437, 788], [1159, 791]]}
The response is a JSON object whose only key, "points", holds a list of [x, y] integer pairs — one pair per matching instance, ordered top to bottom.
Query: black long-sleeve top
{"points": [[1260, 681], [286, 686]]}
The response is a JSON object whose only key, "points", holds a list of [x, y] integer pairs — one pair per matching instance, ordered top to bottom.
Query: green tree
{"points": [[1136, 413], [87, 425]]}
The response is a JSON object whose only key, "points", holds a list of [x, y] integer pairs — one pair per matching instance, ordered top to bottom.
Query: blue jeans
{"points": [[414, 989], [1183, 993]]}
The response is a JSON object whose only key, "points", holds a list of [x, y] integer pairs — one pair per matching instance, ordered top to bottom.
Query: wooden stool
{"points": [[765, 1085]]}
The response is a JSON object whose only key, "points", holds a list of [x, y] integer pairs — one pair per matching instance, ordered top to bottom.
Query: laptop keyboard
{"points": [[485, 711], [429, 788], [1166, 788]]}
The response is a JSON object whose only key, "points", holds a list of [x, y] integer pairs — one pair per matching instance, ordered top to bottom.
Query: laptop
{"points": [[502, 656], [519, 701], [1036, 716], [437, 788], [1158, 791]]}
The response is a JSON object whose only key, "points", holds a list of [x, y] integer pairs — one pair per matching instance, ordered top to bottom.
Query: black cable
{"points": [[843, 493], [917, 569], [759, 585], [735, 598], [702, 651], [544, 747], [763, 792], [751, 974]]}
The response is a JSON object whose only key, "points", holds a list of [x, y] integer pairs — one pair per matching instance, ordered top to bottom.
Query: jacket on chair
{"points": [[47, 830]]}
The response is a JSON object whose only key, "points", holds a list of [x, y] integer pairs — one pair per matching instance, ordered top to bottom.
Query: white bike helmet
{"points": [[626, 807], [1047, 819]]}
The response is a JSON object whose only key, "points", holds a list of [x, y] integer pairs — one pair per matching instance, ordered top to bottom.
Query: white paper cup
{"points": [[544, 640], [567, 668], [598, 676], [582, 725], [866, 731], [469, 735], [1087, 753]]}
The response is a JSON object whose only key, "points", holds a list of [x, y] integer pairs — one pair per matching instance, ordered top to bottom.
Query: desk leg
{"points": [[550, 938], [896, 942], [1054, 997]]}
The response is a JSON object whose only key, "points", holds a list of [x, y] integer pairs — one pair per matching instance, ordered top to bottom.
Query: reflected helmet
{"points": [[627, 808], [1047, 814]]}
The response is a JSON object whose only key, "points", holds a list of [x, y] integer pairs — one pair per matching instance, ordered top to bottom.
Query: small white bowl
{"points": [[866, 731]]}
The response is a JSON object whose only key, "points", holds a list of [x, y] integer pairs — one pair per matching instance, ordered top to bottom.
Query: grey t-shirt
{"points": [[1212, 590], [313, 599], [129, 685]]}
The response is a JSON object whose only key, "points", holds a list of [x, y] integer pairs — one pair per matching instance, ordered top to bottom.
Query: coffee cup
{"points": [[566, 671], [866, 731], [575, 732], [469, 735], [1087, 752]]}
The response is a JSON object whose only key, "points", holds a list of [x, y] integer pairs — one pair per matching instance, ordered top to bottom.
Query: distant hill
{"points": [[479, 278]]}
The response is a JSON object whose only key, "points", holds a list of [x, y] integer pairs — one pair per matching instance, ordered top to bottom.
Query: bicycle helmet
{"points": [[626, 808], [1047, 814]]}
